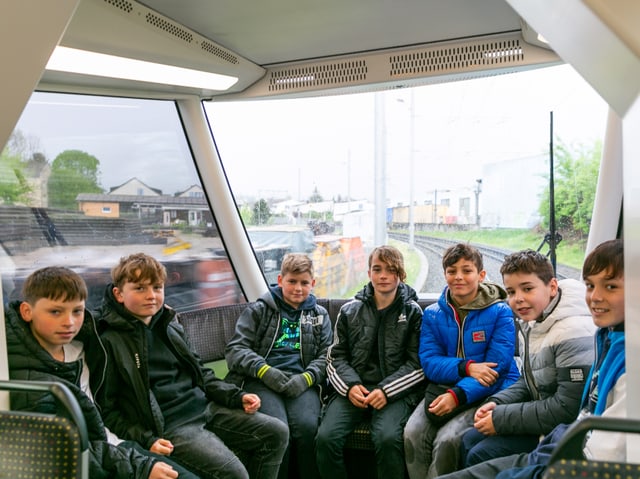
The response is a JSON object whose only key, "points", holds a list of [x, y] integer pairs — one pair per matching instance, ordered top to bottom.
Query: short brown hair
{"points": [[455, 253], [607, 256], [392, 257], [528, 261], [296, 263], [138, 267], [55, 283]]}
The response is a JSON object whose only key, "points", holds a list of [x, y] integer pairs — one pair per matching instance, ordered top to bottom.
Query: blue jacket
{"points": [[486, 334]]}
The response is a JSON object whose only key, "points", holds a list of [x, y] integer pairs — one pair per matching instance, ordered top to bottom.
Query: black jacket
{"points": [[397, 338], [29, 361], [128, 405]]}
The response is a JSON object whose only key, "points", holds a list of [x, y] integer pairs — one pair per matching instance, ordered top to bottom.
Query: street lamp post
{"points": [[477, 191]]}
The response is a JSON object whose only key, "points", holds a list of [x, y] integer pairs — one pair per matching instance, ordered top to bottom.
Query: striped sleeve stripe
{"points": [[403, 383]]}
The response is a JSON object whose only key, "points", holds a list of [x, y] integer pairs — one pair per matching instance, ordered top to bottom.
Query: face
{"points": [[384, 278], [463, 278], [296, 288], [527, 294], [605, 298], [142, 299], [53, 323]]}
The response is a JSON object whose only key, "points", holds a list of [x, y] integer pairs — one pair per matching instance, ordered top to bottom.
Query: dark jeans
{"points": [[302, 415], [387, 425], [208, 447], [477, 448], [492, 468], [183, 473]]}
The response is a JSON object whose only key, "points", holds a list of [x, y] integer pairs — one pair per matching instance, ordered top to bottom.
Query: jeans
{"points": [[302, 415], [387, 424], [208, 447], [477, 448], [429, 451], [183, 473]]}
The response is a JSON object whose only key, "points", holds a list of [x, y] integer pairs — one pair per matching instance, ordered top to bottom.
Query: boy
{"points": [[555, 332], [46, 337], [467, 342], [279, 352], [374, 368], [157, 387], [605, 390]]}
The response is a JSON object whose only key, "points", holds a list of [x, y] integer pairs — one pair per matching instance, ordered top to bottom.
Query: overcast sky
{"points": [[329, 142]]}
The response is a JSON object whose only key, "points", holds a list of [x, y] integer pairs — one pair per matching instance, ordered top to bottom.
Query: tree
{"points": [[72, 172], [575, 175], [14, 186], [315, 197], [261, 212]]}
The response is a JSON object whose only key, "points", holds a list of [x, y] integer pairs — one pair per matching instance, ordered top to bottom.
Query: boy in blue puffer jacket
{"points": [[467, 346]]}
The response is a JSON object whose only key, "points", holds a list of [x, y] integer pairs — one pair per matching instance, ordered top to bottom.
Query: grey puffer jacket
{"points": [[257, 330], [397, 340], [557, 355]]}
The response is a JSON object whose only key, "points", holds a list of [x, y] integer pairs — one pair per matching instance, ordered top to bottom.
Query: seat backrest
{"points": [[34, 445], [567, 460]]}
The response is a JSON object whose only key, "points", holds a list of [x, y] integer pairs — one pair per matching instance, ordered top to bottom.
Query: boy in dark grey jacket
{"points": [[279, 352]]}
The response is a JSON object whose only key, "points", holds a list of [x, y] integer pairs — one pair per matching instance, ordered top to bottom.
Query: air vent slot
{"points": [[121, 4], [137, 12], [169, 27], [454, 58], [322, 75]]}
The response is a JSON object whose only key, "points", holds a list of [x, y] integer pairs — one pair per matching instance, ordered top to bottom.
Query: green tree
{"points": [[72, 172], [575, 176], [14, 186], [315, 197], [261, 212]]}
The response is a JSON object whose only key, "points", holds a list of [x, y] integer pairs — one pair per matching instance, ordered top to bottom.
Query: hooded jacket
{"points": [[257, 330], [486, 334], [397, 340], [558, 354], [29, 361], [128, 405]]}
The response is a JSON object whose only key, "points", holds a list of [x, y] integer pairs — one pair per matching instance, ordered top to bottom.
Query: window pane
{"points": [[464, 161], [87, 180]]}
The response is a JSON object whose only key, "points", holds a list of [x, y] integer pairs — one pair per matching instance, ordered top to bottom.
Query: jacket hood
{"points": [[275, 292], [405, 293], [488, 294], [568, 302], [112, 313]]}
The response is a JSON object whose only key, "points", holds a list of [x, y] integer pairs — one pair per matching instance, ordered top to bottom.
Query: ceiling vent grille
{"points": [[155, 20], [435, 60], [401, 67], [318, 76]]}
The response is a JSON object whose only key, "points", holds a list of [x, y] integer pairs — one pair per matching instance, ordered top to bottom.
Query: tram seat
{"points": [[210, 329], [43, 445], [567, 459]]}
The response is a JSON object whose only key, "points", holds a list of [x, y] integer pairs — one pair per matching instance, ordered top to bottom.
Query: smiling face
{"points": [[463, 279], [528, 295], [605, 298], [143, 299], [53, 322]]}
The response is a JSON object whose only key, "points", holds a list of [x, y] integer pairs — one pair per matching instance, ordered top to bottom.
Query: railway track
{"points": [[433, 249]]}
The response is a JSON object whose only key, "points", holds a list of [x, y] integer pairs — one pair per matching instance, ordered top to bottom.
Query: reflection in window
{"points": [[87, 179]]}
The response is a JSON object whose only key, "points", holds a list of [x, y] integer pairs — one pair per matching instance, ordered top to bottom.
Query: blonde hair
{"points": [[296, 263]]}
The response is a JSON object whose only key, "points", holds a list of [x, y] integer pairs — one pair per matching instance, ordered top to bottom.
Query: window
{"points": [[97, 158]]}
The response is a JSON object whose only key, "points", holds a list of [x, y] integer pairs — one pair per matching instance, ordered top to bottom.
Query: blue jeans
{"points": [[302, 415], [387, 425], [209, 446], [477, 448], [183, 473]]}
